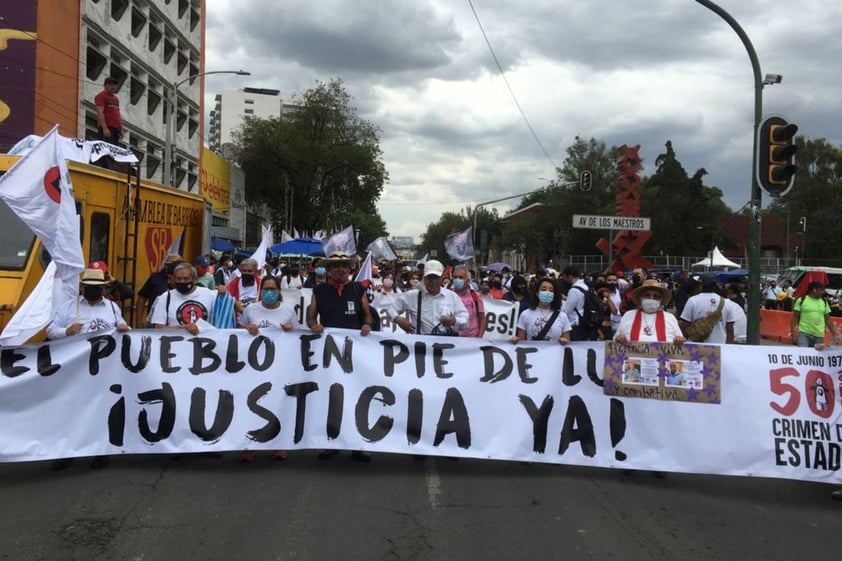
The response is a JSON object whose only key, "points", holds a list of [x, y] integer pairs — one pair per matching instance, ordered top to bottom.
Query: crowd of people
{"points": [[429, 299]]}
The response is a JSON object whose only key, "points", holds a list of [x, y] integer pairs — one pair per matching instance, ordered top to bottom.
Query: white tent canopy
{"points": [[715, 260]]}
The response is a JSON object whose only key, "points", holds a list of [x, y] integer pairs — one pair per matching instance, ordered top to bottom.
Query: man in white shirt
{"points": [[705, 303], [186, 304], [574, 305], [442, 311], [88, 313]]}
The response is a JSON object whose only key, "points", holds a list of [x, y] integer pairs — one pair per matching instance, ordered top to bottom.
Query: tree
{"points": [[315, 166], [817, 196], [686, 215], [545, 232]]}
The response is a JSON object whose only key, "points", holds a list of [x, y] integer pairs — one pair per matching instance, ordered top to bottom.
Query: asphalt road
{"points": [[400, 508]]}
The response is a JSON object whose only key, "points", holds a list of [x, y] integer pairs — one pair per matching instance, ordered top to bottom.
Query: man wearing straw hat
{"points": [[89, 312]]}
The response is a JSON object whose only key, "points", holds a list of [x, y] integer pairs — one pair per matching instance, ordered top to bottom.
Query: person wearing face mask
{"points": [[203, 269], [222, 274], [319, 274], [293, 278], [413, 282], [461, 285], [246, 288], [496, 290], [387, 293], [518, 293], [616, 298], [184, 305], [430, 309], [89, 312], [543, 320], [648, 322]]}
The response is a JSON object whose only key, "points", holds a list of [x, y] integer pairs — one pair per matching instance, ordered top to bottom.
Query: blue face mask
{"points": [[320, 271], [458, 284], [269, 297], [546, 297]]}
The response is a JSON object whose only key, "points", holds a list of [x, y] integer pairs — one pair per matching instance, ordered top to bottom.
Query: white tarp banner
{"points": [[78, 150], [740, 410]]}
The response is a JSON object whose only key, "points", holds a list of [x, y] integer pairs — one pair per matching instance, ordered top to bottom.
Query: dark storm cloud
{"points": [[346, 37]]}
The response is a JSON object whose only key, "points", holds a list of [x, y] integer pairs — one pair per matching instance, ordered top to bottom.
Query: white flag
{"points": [[37, 188], [285, 237], [342, 240], [460, 246], [176, 247], [381, 249], [260, 253], [423, 259], [35, 312]]}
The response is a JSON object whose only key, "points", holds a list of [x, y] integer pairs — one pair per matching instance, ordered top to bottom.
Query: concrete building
{"points": [[65, 49], [232, 106]]}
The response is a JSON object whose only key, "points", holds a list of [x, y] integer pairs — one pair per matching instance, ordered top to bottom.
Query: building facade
{"points": [[62, 51], [233, 106]]}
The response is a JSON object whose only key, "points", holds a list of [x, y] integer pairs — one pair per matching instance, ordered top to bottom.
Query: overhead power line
{"points": [[511, 91]]}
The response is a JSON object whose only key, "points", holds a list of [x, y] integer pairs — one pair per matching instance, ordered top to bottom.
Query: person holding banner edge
{"points": [[269, 312]]}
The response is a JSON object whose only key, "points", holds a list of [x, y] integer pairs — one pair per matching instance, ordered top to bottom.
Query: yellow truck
{"points": [[126, 222]]}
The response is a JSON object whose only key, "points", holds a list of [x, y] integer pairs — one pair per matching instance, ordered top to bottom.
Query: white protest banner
{"points": [[78, 149], [166, 392]]}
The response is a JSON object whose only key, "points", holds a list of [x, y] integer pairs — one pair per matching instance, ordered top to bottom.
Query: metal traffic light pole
{"points": [[753, 334]]}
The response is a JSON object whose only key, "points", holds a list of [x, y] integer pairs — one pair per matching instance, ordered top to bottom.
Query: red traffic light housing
{"points": [[776, 155], [585, 181]]}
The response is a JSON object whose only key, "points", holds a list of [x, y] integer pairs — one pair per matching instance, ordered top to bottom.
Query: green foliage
{"points": [[316, 165], [686, 215], [546, 232]]}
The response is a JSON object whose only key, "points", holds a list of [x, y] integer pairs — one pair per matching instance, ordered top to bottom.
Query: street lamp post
{"points": [[170, 101], [753, 335]]}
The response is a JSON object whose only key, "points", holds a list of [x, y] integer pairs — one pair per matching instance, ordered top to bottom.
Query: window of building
{"points": [[182, 7], [118, 8], [138, 21], [155, 36], [169, 50], [96, 62], [136, 90], [153, 98], [248, 101], [249, 111], [100, 236]]}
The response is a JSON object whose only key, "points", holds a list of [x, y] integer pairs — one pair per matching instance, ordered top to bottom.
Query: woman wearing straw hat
{"points": [[649, 322]]}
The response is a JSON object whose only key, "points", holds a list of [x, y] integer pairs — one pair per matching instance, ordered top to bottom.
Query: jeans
{"points": [[807, 340]]}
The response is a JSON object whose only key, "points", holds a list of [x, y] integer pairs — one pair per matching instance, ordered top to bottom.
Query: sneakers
{"points": [[279, 455], [246, 456], [837, 494]]}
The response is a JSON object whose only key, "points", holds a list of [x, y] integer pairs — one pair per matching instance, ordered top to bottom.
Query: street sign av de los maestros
{"points": [[596, 222]]}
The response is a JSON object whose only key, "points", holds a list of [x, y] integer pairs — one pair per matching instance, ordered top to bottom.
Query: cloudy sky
{"points": [[626, 72]]}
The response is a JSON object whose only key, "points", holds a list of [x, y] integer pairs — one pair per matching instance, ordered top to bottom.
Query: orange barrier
{"points": [[775, 325]]}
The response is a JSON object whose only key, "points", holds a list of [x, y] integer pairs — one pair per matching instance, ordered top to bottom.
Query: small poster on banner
{"points": [[663, 371]]}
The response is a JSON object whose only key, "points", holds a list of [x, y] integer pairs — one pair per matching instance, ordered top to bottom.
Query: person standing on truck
{"points": [[108, 120], [810, 318]]}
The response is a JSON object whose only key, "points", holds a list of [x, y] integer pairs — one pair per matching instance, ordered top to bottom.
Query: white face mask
{"points": [[649, 305]]}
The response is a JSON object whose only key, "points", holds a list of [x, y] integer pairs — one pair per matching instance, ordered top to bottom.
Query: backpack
{"points": [[593, 312], [699, 329]]}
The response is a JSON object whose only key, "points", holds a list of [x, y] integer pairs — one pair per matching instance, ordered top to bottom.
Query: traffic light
{"points": [[776, 155], [585, 181]]}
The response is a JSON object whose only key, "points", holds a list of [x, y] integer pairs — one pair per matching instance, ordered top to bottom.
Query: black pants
{"points": [[108, 162]]}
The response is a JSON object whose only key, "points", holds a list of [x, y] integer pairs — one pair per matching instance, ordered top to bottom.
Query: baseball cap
{"points": [[201, 261], [99, 265], [434, 268]]}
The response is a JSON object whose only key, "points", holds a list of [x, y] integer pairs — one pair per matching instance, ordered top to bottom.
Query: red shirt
{"points": [[111, 109]]}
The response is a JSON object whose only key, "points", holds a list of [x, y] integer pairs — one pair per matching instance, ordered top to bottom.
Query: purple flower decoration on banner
{"points": [[696, 354], [662, 357], [662, 372], [716, 374], [608, 386], [710, 391], [692, 394]]}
